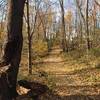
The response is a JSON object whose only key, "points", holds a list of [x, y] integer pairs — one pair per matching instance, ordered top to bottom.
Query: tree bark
{"points": [[87, 26], [29, 40], [64, 44], [12, 49]]}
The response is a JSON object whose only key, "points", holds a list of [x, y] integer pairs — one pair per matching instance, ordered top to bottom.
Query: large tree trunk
{"points": [[12, 49]]}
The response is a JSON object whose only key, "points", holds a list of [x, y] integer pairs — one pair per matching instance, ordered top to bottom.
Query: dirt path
{"points": [[68, 76]]}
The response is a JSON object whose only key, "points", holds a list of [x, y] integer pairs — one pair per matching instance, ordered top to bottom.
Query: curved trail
{"points": [[68, 76], [71, 80]]}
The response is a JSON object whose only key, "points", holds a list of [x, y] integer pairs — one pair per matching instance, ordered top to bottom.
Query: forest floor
{"points": [[68, 78]]}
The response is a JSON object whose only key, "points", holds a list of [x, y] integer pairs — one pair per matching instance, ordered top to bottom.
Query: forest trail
{"points": [[53, 56], [69, 77]]}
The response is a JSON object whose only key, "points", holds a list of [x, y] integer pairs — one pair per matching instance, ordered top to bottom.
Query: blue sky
{"points": [[70, 4]]}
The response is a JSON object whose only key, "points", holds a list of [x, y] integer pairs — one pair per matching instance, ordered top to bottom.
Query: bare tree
{"points": [[86, 21], [87, 25], [63, 26], [29, 39]]}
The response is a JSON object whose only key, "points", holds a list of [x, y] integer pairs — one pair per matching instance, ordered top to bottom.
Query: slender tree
{"points": [[85, 21], [87, 25], [63, 26], [29, 39]]}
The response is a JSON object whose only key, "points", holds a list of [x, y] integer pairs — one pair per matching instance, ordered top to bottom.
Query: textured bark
{"points": [[12, 49]]}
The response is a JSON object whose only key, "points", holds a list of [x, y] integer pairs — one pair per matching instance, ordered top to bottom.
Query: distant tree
{"points": [[85, 20], [69, 27]]}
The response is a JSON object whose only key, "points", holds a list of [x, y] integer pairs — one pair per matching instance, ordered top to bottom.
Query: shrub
{"points": [[40, 48], [96, 52]]}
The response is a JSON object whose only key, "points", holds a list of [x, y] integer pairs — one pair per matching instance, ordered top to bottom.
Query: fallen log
{"points": [[36, 89]]}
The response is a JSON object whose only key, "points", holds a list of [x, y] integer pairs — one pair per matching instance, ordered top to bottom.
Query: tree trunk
{"points": [[63, 26], [87, 26], [29, 41], [12, 50], [30, 56]]}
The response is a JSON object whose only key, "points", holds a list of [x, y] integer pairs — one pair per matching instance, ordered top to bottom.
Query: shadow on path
{"points": [[42, 92]]}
